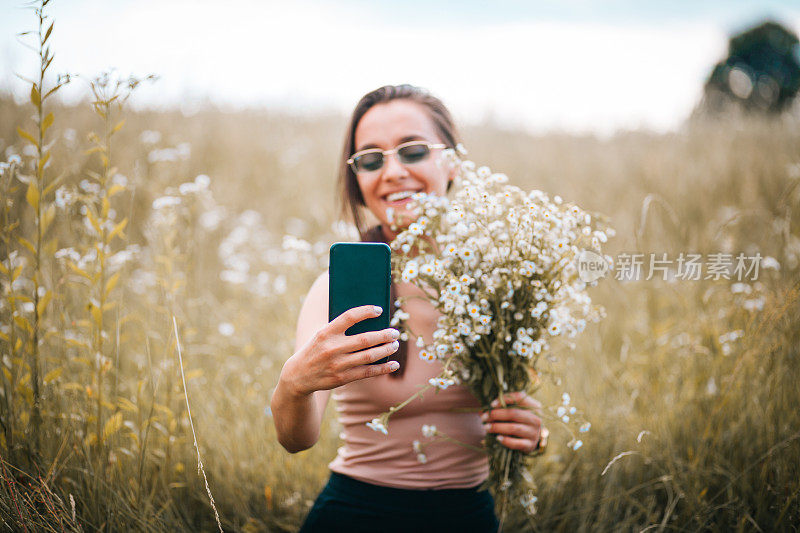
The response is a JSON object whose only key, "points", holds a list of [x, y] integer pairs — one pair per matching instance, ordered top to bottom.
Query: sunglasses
{"points": [[408, 153]]}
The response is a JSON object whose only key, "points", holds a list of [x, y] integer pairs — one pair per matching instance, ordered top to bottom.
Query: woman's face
{"points": [[385, 126]]}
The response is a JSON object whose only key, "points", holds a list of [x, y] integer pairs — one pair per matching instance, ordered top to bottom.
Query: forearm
{"points": [[295, 416]]}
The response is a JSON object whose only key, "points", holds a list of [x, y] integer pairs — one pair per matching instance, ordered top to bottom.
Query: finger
{"points": [[341, 323], [362, 341], [365, 357], [369, 371], [508, 398], [519, 398], [512, 414], [522, 431], [523, 445]]}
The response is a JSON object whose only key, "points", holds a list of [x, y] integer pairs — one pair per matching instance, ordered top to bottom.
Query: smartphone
{"points": [[360, 273]]}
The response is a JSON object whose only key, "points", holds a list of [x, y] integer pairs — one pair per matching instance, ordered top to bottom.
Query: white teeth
{"points": [[399, 195]]}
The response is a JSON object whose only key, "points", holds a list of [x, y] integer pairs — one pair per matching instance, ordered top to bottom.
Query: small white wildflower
{"points": [[150, 137], [202, 181], [189, 187], [64, 197], [166, 201], [450, 250], [466, 253], [770, 263], [427, 269], [410, 271], [738, 288], [754, 304], [425, 355], [441, 383], [377, 425], [428, 431]]}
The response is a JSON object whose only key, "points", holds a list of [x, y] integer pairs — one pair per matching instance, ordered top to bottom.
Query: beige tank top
{"points": [[390, 460]]}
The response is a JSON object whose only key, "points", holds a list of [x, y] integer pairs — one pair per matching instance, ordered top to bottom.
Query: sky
{"points": [[548, 65]]}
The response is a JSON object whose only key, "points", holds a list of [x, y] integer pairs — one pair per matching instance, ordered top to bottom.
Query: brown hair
{"points": [[352, 200]]}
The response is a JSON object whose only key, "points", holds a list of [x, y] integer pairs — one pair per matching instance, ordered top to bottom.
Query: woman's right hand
{"points": [[331, 358]]}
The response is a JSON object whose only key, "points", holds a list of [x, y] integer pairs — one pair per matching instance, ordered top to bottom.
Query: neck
{"points": [[387, 233]]}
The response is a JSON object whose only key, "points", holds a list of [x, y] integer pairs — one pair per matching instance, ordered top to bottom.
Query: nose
{"points": [[393, 168]]}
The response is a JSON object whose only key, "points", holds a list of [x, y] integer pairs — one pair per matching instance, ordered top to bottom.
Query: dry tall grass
{"points": [[692, 428]]}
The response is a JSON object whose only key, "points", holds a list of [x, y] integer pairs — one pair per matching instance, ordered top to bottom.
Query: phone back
{"points": [[360, 274]]}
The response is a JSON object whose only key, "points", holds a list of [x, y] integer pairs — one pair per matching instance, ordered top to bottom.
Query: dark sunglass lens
{"points": [[413, 153], [369, 162]]}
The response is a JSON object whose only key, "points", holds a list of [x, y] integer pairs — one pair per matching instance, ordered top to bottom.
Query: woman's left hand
{"points": [[518, 429]]}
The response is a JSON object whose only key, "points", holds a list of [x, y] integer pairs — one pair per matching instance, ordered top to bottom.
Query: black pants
{"points": [[349, 505]]}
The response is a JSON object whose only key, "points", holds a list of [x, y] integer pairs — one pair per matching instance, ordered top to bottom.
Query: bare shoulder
{"points": [[320, 285], [318, 294], [314, 312]]}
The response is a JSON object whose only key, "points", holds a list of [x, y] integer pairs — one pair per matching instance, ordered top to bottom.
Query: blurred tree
{"points": [[761, 72]]}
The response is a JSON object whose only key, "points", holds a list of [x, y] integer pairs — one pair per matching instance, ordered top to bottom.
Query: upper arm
{"points": [[313, 317]]}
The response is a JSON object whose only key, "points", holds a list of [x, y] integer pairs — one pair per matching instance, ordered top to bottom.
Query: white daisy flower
{"points": [[427, 269], [410, 271]]}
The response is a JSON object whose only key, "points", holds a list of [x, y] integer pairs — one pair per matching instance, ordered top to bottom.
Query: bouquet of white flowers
{"points": [[499, 264]]}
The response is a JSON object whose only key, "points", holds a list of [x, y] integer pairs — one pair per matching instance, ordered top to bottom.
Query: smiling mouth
{"points": [[401, 195]]}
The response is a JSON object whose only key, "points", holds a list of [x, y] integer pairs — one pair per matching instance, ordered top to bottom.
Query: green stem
{"points": [[35, 370], [396, 408], [461, 443]]}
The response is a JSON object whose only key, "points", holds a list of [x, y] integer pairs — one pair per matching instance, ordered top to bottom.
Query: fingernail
{"points": [[378, 310], [395, 334], [395, 346], [394, 365], [495, 403], [485, 417], [486, 427], [500, 438]]}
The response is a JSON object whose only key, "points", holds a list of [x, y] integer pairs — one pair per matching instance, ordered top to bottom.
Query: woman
{"points": [[378, 482]]}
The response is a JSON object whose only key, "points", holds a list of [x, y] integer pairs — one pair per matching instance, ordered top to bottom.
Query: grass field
{"points": [[690, 386]]}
